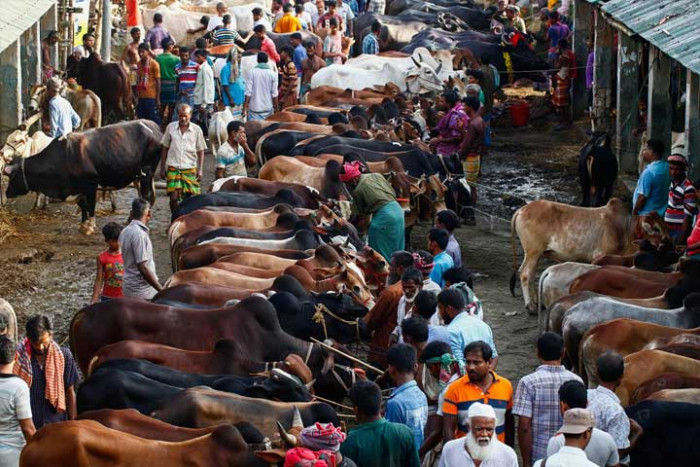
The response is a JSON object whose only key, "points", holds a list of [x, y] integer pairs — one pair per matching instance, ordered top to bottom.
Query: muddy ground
{"points": [[46, 266]]}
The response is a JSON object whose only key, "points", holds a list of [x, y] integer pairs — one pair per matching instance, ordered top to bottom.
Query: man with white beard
{"points": [[411, 283], [480, 447]]}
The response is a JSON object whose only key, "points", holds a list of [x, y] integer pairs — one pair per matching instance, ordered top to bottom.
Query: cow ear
{"points": [[272, 456]]}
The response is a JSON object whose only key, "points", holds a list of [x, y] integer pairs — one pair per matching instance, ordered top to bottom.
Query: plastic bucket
{"points": [[520, 114]]}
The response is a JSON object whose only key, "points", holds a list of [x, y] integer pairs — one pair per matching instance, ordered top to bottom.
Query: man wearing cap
{"points": [[62, 118], [373, 196], [682, 199], [577, 430], [480, 447], [601, 449]]}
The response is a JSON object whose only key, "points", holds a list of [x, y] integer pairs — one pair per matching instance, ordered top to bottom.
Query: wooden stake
{"points": [[349, 357], [332, 403]]}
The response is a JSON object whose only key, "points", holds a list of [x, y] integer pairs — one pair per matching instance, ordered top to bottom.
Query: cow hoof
{"points": [[84, 228], [531, 310]]}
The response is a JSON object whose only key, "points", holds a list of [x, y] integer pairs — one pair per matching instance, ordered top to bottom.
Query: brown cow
{"points": [[322, 94], [287, 117], [254, 129], [292, 170], [268, 188], [571, 233], [202, 255], [619, 281], [204, 294], [624, 336], [644, 365], [661, 382], [687, 395], [88, 443]]}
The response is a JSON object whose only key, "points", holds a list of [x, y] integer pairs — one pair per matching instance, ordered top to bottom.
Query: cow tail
{"points": [[98, 111], [515, 253], [540, 287], [77, 318], [91, 366]]}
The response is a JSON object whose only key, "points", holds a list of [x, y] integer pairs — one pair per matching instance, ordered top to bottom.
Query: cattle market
{"points": [[338, 233]]}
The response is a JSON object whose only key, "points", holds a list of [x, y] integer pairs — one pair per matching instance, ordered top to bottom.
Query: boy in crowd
{"points": [[110, 267]]}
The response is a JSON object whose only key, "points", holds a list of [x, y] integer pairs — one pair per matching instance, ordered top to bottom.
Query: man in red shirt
{"points": [[266, 44]]}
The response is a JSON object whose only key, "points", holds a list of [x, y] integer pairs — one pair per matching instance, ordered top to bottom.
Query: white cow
{"points": [[440, 60], [417, 80], [217, 129], [20, 144]]}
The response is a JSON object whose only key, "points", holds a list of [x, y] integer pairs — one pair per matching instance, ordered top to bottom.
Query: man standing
{"points": [[376, 6], [345, 12], [259, 18], [218, 20], [324, 20], [288, 22], [556, 31], [155, 35], [225, 35], [88, 44], [266, 44], [370, 44], [46, 45], [299, 54], [130, 57], [311, 64], [186, 72], [168, 79], [148, 86], [288, 87], [203, 89], [260, 90], [62, 118], [450, 128], [471, 149], [183, 155], [233, 156], [651, 193], [373, 196], [682, 200], [449, 221], [437, 244], [140, 279], [411, 283], [381, 319], [463, 327], [49, 371], [480, 384], [536, 401], [407, 404], [606, 408], [16, 426], [577, 430], [376, 442], [480, 446], [601, 449]]}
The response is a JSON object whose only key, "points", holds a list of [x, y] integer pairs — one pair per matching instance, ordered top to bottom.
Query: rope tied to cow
{"points": [[320, 310]]}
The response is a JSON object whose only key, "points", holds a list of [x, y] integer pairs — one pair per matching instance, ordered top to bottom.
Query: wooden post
{"points": [[583, 30], [37, 45], [106, 47], [629, 58], [602, 75], [659, 99], [692, 122]]}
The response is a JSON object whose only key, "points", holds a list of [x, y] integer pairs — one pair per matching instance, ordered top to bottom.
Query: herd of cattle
{"points": [[266, 267]]}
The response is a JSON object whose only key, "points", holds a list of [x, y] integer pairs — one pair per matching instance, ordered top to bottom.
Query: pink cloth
{"points": [[351, 170]]}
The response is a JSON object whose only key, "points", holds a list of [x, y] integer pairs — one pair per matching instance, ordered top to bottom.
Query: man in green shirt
{"points": [[168, 79], [373, 196], [376, 442]]}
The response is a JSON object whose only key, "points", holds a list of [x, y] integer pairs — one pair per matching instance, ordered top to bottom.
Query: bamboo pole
{"points": [[349, 357], [327, 401]]}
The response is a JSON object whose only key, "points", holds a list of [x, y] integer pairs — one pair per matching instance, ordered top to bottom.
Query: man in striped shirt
{"points": [[225, 35], [370, 44], [186, 72], [682, 200]]}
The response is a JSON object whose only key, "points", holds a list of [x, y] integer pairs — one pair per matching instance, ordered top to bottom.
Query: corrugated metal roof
{"points": [[16, 16], [670, 25]]}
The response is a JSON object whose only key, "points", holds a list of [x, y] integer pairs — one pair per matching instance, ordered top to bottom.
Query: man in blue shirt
{"points": [[370, 44], [299, 52], [62, 118], [651, 193], [437, 244], [463, 327], [407, 404]]}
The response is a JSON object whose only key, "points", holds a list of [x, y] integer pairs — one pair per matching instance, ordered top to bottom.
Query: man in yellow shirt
{"points": [[288, 22]]}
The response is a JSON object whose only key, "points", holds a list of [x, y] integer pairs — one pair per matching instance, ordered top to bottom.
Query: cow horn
{"points": [[415, 61], [437, 70], [347, 242], [309, 386], [297, 422], [289, 440]]}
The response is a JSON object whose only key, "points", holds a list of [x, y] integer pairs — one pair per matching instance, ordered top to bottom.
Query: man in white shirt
{"points": [[348, 16], [259, 18], [217, 20], [203, 88], [260, 90], [62, 118], [183, 156], [577, 430], [480, 446], [601, 450]]}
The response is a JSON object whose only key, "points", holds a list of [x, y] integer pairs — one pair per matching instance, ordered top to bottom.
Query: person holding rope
{"points": [[470, 150]]}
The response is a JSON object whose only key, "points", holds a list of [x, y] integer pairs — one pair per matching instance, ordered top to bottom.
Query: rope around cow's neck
{"points": [[318, 317]]}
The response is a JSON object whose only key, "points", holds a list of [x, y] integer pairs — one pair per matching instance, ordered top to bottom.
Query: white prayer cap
{"points": [[477, 409]]}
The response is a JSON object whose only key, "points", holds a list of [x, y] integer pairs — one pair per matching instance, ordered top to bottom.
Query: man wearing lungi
{"points": [[183, 155]]}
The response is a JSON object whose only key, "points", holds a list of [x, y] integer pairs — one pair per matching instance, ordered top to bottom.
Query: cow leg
{"points": [[84, 219], [527, 272]]}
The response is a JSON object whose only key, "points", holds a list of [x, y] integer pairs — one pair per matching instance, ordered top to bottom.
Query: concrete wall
{"points": [[10, 84]]}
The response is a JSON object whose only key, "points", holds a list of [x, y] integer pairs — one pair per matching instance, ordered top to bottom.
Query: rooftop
{"points": [[18, 16]]}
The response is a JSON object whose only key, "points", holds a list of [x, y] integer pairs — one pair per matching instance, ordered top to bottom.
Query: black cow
{"points": [[397, 6], [396, 32], [109, 81], [281, 143], [113, 156], [597, 170], [458, 196], [238, 199], [318, 316], [140, 384], [671, 431]]}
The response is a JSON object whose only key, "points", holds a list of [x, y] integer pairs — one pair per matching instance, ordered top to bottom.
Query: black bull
{"points": [[113, 156]]}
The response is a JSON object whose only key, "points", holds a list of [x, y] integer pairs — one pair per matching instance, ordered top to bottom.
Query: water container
{"points": [[520, 114]]}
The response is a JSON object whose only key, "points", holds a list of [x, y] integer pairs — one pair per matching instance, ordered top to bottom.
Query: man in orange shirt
{"points": [[288, 22], [148, 86], [480, 384]]}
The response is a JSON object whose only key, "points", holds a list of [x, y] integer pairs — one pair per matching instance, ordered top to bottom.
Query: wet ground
{"points": [[46, 266]]}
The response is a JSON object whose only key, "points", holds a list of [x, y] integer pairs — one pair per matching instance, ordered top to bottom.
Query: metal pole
{"points": [[106, 45]]}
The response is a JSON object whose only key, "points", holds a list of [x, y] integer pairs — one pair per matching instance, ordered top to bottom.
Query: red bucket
{"points": [[520, 114]]}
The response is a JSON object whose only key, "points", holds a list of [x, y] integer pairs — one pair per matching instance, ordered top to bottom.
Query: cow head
{"points": [[526, 61], [423, 79], [37, 95], [17, 144], [18, 184], [429, 196], [458, 196], [329, 224], [651, 227], [353, 284], [341, 316], [280, 386]]}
